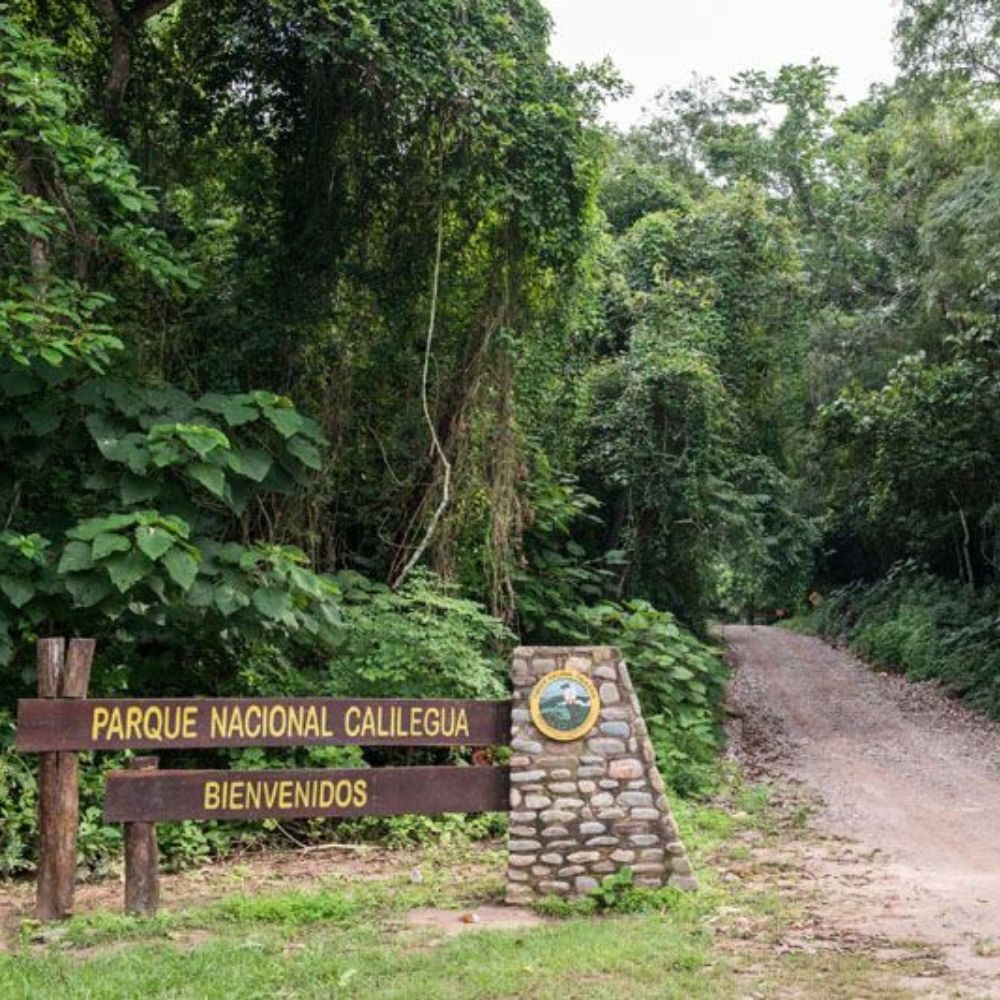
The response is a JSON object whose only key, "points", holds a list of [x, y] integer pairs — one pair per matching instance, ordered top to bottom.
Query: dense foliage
{"points": [[341, 349], [291, 367]]}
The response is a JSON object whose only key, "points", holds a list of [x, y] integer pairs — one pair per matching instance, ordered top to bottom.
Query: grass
{"points": [[347, 937]]}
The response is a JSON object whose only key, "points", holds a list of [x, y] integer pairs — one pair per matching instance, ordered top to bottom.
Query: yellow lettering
{"points": [[279, 714], [351, 719], [416, 721], [432, 721], [98, 722], [133, 722], [190, 722], [219, 722], [312, 722], [154, 723], [368, 723], [462, 725], [115, 727], [235, 730], [253, 730], [327, 731], [171, 732], [236, 791], [360, 792], [285, 794], [302, 794], [325, 794], [343, 794], [211, 795], [253, 795], [270, 795]]}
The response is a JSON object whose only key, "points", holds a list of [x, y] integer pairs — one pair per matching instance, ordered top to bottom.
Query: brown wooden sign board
{"points": [[45, 724], [154, 796]]}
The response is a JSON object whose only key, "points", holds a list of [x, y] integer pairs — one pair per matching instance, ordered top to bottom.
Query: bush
{"points": [[925, 627], [680, 682]]}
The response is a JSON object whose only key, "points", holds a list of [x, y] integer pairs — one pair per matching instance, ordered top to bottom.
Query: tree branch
{"points": [[124, 25]]}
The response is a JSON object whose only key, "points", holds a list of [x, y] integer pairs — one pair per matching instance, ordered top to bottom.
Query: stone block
{"points": [[620, 729], [626, 769], [520, 777], [563, 788], [629, 799], [536, 802], [645, 813], [559, 816], [554, 831], [641, 839], [522, 846], [521, 860]]}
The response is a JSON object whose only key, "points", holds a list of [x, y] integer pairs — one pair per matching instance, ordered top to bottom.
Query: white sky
{"points": [[658, 44]]}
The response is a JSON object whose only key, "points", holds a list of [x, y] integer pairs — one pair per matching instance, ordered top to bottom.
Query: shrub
{"points": [[925, 627]]}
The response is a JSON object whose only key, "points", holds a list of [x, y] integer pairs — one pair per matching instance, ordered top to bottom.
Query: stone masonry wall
{"points": [[582, 810]]}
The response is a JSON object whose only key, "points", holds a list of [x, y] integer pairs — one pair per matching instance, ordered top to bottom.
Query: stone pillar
{"points": [[584, 808]]}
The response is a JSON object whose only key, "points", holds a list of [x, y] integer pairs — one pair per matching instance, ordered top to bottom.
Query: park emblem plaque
{"points": [[565, 705]]}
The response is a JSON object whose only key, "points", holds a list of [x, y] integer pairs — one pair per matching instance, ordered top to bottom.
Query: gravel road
{"points": [[903, 772]]}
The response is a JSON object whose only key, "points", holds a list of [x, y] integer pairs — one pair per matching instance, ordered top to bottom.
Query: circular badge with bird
{"points": [[565, 705]]}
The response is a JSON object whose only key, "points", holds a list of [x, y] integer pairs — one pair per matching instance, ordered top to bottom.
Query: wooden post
{"points": [[61, 674], [142, 873]]}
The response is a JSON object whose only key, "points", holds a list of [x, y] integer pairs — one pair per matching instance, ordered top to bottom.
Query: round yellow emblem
{"points": [[565, 705]]}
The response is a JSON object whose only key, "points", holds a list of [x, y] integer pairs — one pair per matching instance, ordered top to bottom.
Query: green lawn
{"points": [[347, 936]]}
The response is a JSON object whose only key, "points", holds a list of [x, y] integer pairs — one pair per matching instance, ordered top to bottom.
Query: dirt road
{"points": [[912, 779]]}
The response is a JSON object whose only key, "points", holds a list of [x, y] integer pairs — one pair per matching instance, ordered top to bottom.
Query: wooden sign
{"points": [[45, 724], [154, 796]]}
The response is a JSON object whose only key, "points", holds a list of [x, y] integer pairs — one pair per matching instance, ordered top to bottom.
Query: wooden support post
{"points": [[61, 674], [142, 873]]}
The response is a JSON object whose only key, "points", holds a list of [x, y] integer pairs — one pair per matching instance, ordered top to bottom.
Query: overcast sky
{"points": [[658, 44]]}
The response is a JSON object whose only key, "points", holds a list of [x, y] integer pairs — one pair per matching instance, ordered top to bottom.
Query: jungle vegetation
{"points": [[342, 348]]}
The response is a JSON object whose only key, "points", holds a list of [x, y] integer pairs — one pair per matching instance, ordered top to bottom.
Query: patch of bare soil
{"points": [[908, 791], [488, 916]]}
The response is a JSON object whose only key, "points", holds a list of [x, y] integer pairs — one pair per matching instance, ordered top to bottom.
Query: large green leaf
{"points": [[285, 419], [201, 439], [306, 452], [253, 463], [210, 476], [87, 531], [153, 541], [105, 545], [75, 558], [182, 567], [127, 569], [87, 589], [18, 590], [229, 600], [272, 602]]}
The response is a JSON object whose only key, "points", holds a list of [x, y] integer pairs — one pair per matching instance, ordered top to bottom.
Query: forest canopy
{"points": [[342, 347]]}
